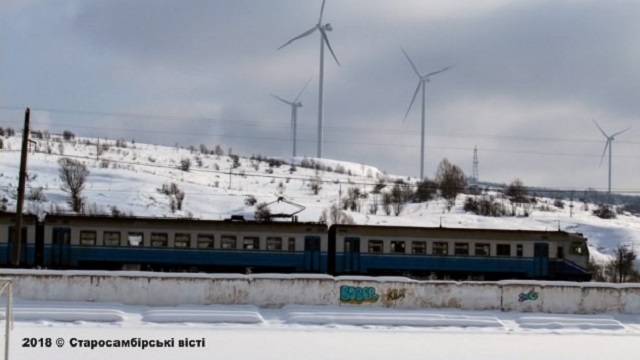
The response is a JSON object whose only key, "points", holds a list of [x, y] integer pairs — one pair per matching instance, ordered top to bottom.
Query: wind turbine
{"points": [[323, 39], [422, 80], [295, 104], [608, 145]]}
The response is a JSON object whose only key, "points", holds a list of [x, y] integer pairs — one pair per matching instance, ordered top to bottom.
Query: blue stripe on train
{"points": [[71, 256], [27, 258], [367, 263]]}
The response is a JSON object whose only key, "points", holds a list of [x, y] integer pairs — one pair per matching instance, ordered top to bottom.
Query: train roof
{"points": [[11, 217], [140, 220], [435, 230]]}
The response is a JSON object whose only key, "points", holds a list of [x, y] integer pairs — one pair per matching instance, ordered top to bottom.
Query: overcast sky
{"points": [[530, 78]]}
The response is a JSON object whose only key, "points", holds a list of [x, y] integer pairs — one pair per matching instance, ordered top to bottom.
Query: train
{"points": [[63, 241]]}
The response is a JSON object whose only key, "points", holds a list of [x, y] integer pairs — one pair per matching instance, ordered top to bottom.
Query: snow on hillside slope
{"points": [[126, 176]]}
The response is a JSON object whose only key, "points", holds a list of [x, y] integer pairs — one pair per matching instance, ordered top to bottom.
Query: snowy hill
{"points": [[125, 177]]}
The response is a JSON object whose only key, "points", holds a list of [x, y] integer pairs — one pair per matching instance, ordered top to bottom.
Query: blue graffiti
{"points": [[358, 295], [531, 295]]}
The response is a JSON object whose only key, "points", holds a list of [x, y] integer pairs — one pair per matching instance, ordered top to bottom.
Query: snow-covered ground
{"points": [[126, 176], [304, 332]]}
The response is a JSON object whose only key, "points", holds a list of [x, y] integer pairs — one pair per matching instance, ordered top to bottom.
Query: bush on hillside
{"points": [[484, 206], [604, 212]]}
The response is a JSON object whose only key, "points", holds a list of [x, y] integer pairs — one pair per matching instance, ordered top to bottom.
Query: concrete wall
{"points": [[161, 289]]}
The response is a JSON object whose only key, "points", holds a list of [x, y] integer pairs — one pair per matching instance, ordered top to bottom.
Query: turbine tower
{"points": [[323, 40], [422, 80], [295, 104], [608, 144], [474, 173]]}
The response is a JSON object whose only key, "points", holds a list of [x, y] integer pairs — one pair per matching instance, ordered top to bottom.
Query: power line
{"points": [[237, 122], [310, 178]]}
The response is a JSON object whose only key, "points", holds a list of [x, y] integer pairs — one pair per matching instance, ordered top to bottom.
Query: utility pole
{"points": [[17, 233]]}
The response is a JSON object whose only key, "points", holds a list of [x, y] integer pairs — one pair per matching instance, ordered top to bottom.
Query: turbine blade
{"points": [[321, 11], [306, 33], [326, 40], [411, 62], [439, 71], [303, 88], [415, 94], [281, 99], [599, 128], [620, 132], [605, 151]]}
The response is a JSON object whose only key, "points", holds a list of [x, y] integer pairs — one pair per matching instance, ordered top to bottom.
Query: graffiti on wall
{"points": [[394, 294], [358, 295], [531, 295]]}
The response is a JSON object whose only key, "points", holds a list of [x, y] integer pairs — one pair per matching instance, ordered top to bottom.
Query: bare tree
{"points": [[185, 164], [73, 175], [450, 179], [316, 185], [425, 190], [516, 192], [175, 195], [374, 205], [262, 212], [335, 216], [622, 264]]}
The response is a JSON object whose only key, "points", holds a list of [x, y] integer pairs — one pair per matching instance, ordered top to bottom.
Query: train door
{"points": [[23, 246], [60, 247], [312, 253], [352, 255], [540, 260]]}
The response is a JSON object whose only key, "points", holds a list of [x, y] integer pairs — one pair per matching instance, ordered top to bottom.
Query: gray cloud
{"points": [[527, 72]]}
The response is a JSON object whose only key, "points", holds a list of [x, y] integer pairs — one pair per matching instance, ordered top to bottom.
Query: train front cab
{"points": [[570, 260]]}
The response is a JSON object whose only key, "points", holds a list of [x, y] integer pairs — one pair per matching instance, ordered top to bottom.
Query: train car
{"points": [[30, 242], [161, 244], [486, 254]]}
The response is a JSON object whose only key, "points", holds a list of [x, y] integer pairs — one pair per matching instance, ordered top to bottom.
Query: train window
{"points": [[23, 235], [87, 237], [111, 238], [135, 239], [159, 239], [183, 241], [205, 241], [228, 242], [251, 243], [274, 243], [292, 244], [375, 246], [397, 247], [418, 247], [440, 248], [577, 248], [461, 249], [483, 249], [503, 249], [519, 250], [560, 252]]}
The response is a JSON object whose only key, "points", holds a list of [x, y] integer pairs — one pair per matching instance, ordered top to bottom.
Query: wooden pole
{"points": [[17, 234]]}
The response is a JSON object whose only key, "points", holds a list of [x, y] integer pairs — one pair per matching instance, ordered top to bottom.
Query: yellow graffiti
{"points": [[394, 294]]}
